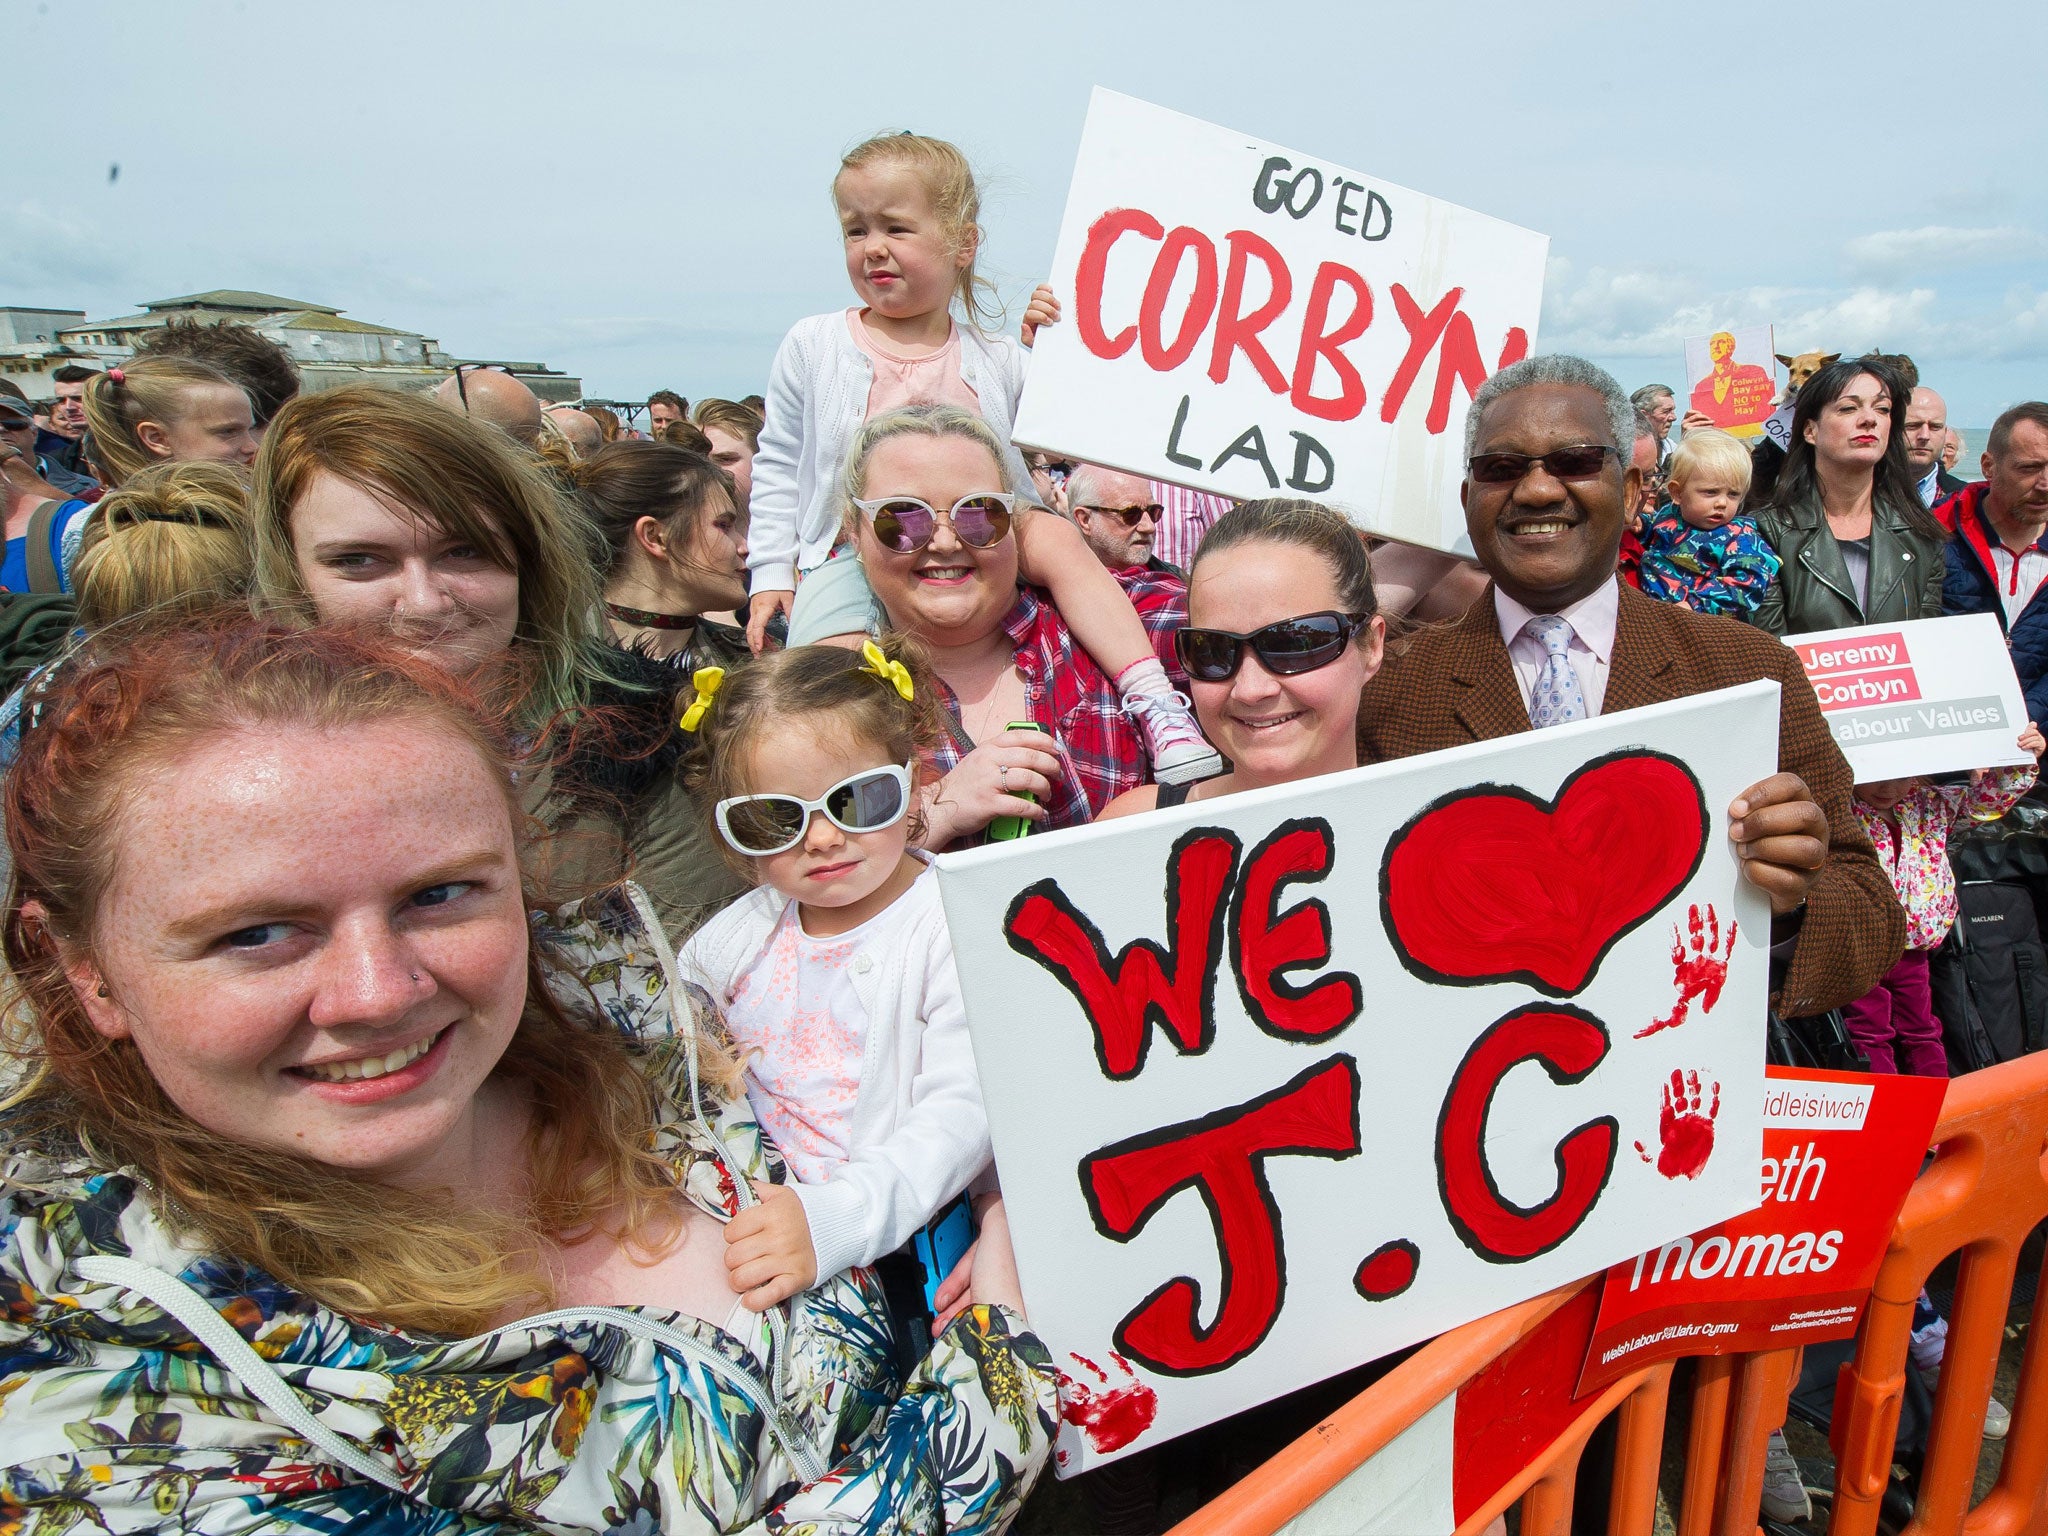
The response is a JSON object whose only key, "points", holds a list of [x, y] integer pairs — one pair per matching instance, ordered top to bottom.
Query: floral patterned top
{"points": [[1914, 852], [115, 1418]]}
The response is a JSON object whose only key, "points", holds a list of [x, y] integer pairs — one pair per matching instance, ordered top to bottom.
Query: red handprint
{"points": [[1699, 967], [1685, 1134], [1113, 1416]]}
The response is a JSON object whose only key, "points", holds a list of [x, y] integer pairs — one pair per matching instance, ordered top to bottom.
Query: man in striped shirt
{"points": [[1184, 516]]}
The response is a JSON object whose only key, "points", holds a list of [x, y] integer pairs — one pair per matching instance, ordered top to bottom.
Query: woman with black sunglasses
{"points": [[1283, 633]]}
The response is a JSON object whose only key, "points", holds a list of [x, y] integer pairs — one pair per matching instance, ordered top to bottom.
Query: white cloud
{"points": [[1937, 246], [1650, 313]]}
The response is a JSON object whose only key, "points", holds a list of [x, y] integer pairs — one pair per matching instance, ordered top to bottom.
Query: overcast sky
{"points": [[637, 193]]}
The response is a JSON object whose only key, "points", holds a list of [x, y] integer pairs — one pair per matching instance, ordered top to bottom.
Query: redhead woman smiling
{"points": [[302, 1097]]}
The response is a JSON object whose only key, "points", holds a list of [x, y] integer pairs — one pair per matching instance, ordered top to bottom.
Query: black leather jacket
{"points": [[1813, 589]]}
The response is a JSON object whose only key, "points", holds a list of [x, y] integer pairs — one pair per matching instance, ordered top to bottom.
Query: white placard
{"points": [[1255, 321], [1928, 696], [1408, 1044]]}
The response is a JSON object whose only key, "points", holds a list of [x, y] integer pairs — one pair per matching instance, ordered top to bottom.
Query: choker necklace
{"points": [[644, 618]]}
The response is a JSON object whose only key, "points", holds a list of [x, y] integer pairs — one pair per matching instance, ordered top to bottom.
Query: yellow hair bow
{"points": [[894, 673], [708, 681]]}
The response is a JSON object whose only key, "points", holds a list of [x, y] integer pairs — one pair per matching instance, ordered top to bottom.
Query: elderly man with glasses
{"points": [[1118, 516], [1558, 637]]}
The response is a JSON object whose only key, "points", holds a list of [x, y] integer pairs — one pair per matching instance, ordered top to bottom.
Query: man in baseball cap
{"points": [[18, 430]]}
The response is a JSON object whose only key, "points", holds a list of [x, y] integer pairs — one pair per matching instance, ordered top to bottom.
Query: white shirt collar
{"points": [[1593, 617]]}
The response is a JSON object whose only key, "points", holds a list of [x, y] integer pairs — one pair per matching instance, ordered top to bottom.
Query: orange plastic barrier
{"points": [[1986, 1189], [1315, 1467]]}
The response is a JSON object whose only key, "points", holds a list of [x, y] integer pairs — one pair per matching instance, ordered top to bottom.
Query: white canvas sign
{"points": [[1255, 321], [1929, 696], [1282, 1082]]}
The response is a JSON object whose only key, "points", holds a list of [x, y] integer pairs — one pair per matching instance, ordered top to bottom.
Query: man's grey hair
{"points": [[1558, 368], [1647, 397], [1645, 428], [1084, 485]]}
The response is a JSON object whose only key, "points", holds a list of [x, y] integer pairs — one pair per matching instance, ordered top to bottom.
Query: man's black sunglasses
{"points": [[1581, 461], [1285, 649]]}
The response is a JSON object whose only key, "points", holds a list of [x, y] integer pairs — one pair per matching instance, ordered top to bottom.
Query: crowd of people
{"points": [[486, 1047]]}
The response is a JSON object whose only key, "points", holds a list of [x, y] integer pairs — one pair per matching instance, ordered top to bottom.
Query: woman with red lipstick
{"points": [[1854, 542], [360, 1200]]}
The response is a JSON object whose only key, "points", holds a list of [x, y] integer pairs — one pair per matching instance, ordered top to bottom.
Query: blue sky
{"points": [[638, 192]]}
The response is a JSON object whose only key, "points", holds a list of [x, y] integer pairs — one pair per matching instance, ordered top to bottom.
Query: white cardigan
{"points": [[817, 398], [919, 1133]]}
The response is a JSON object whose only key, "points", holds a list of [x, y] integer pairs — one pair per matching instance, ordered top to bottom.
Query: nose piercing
{"points": [[415, 975]]}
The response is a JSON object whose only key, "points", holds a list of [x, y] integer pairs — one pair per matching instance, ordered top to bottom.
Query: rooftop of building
{"points": [[237, 298], [334, 320]]}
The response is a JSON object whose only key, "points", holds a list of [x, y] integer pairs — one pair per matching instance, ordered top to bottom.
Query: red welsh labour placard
{"points": [[1840, 1151]]}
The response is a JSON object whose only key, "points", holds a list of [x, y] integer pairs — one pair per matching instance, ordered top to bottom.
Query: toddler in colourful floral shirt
{"points": [[1699, 549], [1910, 821]]}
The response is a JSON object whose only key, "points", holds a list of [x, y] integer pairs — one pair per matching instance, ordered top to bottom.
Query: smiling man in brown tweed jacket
{"points": [[1559, 637]]}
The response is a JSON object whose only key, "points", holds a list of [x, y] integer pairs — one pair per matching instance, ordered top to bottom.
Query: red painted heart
{"points": [[1492, 884]]}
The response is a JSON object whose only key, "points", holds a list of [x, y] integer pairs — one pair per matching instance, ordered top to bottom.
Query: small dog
{"points": [[1803, 367]]}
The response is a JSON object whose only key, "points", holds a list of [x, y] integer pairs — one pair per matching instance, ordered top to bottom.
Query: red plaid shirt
{"points": [[1102, 750]]}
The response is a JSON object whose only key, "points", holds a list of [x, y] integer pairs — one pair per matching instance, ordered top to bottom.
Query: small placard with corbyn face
{"points": [[1283, 1081]]}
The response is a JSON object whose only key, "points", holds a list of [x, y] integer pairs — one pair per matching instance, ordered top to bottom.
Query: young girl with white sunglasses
{"points": [[835, 977]]}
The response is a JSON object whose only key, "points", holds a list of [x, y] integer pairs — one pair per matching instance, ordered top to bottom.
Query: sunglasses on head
{"points": [[462, 369], [1581, 461], [1130, 517], [905, 524], [1285, 649], [868, 801]]}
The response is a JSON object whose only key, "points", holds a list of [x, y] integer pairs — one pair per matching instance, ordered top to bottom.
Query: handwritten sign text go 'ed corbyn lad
{"points": [[1254, 321]]}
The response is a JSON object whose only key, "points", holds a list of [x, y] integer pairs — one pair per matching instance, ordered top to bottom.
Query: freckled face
{"points": [[316, 939]]}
